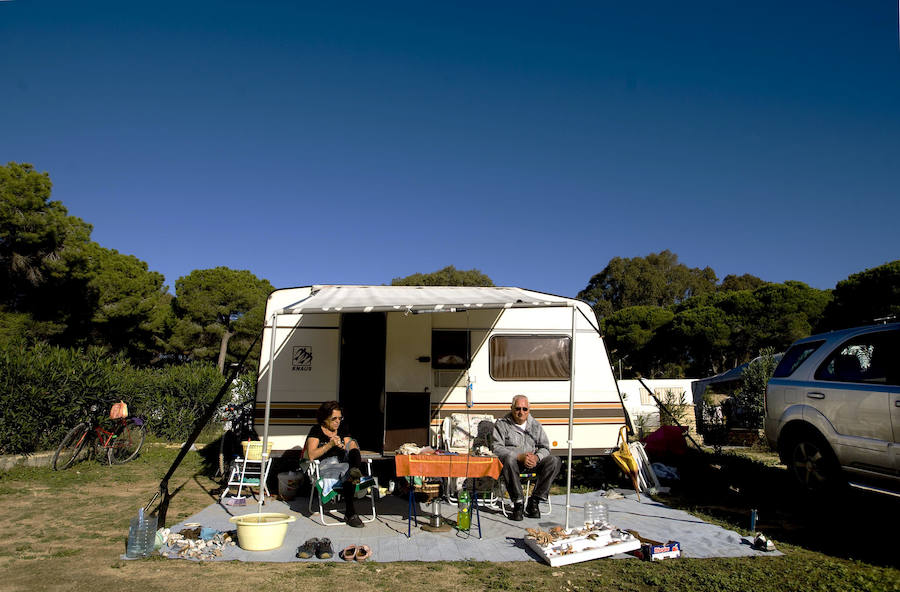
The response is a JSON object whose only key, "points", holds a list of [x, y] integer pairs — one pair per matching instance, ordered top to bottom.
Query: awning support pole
{"points": [[571, 418], [265, 440]]}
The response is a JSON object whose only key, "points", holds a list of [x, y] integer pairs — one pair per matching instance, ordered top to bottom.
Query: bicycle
{"points": [[238, 426], [122, 444]]}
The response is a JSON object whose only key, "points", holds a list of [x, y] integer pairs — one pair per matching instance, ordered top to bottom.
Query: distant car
{"points": [[833, 408]]}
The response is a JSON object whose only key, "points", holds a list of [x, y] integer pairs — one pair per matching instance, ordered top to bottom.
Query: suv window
{"points": [[795, 356], [869, 358]]}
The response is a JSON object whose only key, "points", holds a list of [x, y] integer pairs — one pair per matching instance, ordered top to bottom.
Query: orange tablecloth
{"points": [[447, 465]]}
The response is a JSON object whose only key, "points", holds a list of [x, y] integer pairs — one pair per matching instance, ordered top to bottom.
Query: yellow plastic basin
{"points": [[261, 531]]}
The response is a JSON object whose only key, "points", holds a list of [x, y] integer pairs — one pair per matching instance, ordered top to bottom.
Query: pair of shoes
{"points": [[354, 475], [533, 509], [518, 511], [355, 521], [761, 543], [307, 549], [323, 549], [356, 553]]}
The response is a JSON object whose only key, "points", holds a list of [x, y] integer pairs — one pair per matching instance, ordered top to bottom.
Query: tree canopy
{"points": [[448, 276], [655, 280], [864, 298], [212, 306], [713, 332]]}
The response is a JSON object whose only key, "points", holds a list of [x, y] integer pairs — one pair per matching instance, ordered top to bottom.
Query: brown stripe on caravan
{"points": [[288, 413]]}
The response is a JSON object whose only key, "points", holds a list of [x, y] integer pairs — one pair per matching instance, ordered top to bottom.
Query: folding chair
{"points": [[461, 432], [246, 472], [527, 477], [316, 490]]}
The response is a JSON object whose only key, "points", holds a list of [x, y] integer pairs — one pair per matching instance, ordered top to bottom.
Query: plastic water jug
{"points": [[464, 511], [595, 513], [141, 536]]}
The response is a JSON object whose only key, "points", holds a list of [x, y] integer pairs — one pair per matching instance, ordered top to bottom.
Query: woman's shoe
{"points": [[354, 475], [355, 521], [307, 549], [323, 549], [363, 552], [349, 554]]}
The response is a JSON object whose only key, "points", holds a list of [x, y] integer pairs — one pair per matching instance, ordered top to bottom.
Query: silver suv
{"points": [[833, 408]]}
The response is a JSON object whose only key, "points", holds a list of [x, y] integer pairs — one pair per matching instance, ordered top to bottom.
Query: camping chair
{"points": [[462, 432], [248, 472], [526, 478], [367, 483]]}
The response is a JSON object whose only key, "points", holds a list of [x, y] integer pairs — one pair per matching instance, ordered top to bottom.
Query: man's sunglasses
{"points": [[521, 408]]}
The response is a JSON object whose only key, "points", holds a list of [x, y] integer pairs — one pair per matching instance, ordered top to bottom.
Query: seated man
{"points": [[522, 445]]}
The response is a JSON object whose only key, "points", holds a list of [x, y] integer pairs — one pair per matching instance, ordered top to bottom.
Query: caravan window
{"points": [[449, 350], [531, 357]]}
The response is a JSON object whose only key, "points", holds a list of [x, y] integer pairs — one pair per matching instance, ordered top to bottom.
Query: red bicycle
{"points": [[122, 441]]}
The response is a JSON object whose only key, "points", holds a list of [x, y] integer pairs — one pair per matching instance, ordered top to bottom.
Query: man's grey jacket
{"points": [[508, 439]]}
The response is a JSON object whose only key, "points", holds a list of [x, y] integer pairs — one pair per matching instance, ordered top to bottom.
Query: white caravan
{"points": [[400, 359]]}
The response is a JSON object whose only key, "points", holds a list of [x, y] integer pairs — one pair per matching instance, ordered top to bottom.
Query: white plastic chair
{"points": [[248, 473]]}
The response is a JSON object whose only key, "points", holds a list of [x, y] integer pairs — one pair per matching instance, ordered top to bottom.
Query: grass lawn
{"points": [[66, 531]]}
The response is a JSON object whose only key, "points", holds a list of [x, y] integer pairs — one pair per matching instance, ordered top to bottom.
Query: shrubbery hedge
{"points": [[45, 390]]}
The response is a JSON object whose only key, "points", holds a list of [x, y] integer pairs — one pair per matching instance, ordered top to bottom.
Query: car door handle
{"points": [[815, 395], [897, 403]]}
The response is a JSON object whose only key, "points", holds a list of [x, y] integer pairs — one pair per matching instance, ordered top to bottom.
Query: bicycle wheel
{"points": [[127, 443], [70, 449]]}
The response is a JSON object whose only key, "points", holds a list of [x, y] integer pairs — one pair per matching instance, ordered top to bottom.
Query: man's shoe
{"points": [[533, 509], [518, 513], [355, 521]]}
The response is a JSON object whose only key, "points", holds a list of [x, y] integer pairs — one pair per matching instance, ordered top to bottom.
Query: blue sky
{"points": [[356, 143]]}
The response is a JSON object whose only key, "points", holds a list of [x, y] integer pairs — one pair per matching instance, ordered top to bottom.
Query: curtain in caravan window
{"points": [[530, 357]]}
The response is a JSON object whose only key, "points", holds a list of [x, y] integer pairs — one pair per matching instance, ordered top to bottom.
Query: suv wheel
{"points": [[811, 462]]}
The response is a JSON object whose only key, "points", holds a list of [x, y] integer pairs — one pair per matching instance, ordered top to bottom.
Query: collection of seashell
{"points": [[544, 538], [558, 542], [177, 545]]}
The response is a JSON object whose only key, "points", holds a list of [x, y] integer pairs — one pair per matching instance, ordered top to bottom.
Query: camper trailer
{"points": [[400, 359]]}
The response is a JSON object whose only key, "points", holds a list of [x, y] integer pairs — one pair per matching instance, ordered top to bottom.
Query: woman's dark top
{"points": [[316, 432]]}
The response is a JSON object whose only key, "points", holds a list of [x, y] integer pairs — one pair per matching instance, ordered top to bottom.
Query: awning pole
{"points": [[571, 418], [265, 440]]}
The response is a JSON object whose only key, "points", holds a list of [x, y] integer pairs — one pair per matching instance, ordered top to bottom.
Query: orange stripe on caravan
{"points": [[435, 406], [585, 420]]}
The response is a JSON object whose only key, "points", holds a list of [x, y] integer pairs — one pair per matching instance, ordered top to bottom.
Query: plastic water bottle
{"points": [[464, 511], [590, 512], [596, 514], [602, 514], [141, 536]]}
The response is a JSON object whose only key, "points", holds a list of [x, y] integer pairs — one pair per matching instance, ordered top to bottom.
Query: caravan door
{"points": [[362, 350]]}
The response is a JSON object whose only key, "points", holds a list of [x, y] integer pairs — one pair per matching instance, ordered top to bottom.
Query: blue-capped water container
{"points": [[141, 536]]}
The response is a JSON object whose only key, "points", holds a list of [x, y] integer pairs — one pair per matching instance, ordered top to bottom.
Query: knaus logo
{"points": [[301, 361]]}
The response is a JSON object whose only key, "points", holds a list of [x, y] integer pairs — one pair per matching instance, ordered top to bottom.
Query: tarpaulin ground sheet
{"points": [[502, 539]]}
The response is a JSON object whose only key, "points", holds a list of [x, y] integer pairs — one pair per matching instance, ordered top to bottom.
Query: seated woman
{"points": [[338, 455]]}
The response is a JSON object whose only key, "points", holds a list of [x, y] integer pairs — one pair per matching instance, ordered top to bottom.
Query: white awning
{"points": [[331, 299]]}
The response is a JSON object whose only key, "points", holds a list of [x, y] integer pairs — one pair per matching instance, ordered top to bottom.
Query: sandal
{"points": [[307, 549], [323, 549], [363, 552], [349, 554]]}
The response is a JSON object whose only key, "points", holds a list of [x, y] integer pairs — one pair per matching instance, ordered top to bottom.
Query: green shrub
{"points": [[44, 391], [172, 399], [749, 399]]}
